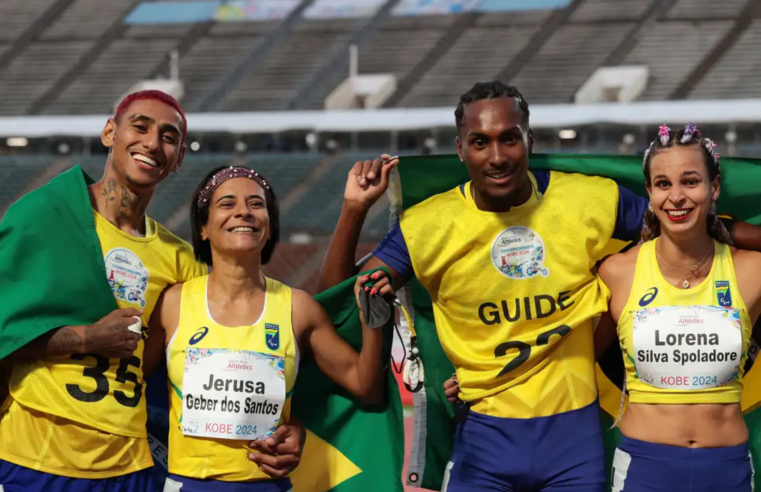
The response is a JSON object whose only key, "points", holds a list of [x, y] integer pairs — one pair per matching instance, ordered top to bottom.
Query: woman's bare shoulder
{"points": [[618, 266]]}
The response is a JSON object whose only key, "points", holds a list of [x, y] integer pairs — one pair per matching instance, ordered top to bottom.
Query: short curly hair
{"points": [[490, 90]]}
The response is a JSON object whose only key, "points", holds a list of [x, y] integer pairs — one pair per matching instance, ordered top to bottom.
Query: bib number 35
{"points": [[524, 349], [98, 373]]}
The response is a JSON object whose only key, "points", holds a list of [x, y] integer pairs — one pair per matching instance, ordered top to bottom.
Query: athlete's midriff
{"points": [[708, 425]]}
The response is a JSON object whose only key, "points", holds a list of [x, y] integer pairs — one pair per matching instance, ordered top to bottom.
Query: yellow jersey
{"points": [[515, 294], [684, 346], [228, 385], [84, 415]]}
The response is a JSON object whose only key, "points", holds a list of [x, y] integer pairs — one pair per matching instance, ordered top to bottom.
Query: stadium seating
{"points": [[706, 9], [605, 10], [18, 15], [686, 43], [396, 48], [479, 54], [71, 57], [208, 58], [435, 58], [567, 60], [283, 73], [738, 74], [15, 176]]}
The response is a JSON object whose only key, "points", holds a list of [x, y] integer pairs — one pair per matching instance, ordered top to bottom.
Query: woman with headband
{"points": [[685, 301], [233, 340]]}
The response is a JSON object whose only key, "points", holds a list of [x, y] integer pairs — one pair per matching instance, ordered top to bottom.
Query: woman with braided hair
{"points": [[685, 301]]}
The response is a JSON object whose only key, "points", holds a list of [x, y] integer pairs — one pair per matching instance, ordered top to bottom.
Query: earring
{"points": [[650, 207], [712, 210]]}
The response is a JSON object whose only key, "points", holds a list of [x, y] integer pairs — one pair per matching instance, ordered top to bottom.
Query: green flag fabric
{"points": [[420, 177], [54, 275], [42, 288], [371, 440]]}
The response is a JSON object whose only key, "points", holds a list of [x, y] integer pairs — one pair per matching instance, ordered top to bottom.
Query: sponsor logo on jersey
{"points": [[519, 253], [127, 276], [649, 296], [198, 335], [272, 336]]}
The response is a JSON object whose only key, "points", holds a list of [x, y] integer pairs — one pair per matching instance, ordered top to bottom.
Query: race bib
{"points": [[687, 347], [232, 394]]}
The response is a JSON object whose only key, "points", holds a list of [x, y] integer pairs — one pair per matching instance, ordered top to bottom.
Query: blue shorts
{"points": [[558, 453], [640, 466], [15, 478], [177, 483]]}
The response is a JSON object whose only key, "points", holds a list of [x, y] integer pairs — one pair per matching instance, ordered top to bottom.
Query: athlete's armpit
{"points": [[617, 273], [166, 315], [605, 333]]}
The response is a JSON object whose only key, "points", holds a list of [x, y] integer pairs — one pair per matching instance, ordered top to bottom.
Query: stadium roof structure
{"points": [[399, 119]]}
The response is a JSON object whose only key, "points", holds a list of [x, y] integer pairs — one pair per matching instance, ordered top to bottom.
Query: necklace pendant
{"points": [[686, 284]]}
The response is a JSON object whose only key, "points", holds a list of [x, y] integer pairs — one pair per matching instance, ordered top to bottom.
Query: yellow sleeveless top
{"points": [[514, 294], [684, 346], [228, 385], [84, 415]]}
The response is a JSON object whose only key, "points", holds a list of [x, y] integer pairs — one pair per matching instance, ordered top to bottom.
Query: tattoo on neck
{"points": [[109, 190], [128, 204]]}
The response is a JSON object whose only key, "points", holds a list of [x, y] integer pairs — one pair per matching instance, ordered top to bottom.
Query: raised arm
{"points": [[366, 182], [360, 373]]}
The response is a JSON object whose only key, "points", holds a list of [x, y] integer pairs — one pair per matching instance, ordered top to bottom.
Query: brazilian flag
{"points": [[418, 178], [52, 274]]}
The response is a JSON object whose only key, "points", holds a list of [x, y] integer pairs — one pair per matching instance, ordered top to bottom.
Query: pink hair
{"points": [[155, 96]]}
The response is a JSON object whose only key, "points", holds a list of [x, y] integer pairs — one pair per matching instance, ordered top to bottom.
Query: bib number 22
{"points": [[524, 349], [98, 373]]}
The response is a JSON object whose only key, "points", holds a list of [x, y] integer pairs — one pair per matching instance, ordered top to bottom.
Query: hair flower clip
{"points": [[689, 132], [664, 133]]}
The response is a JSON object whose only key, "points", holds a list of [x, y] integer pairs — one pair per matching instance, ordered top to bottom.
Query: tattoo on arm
{"points": [[63, 341]]}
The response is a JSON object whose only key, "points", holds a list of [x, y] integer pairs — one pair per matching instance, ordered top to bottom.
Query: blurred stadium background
{"points": [[300, 89]]}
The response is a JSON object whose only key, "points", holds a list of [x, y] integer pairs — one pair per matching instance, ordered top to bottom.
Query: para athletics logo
{"points": [[723, 293], [272, 336]]}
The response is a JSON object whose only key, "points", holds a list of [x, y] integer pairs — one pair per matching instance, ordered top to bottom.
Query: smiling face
{"points": [[145, 143], [494, 143], [681, 188], [238, 219]]}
